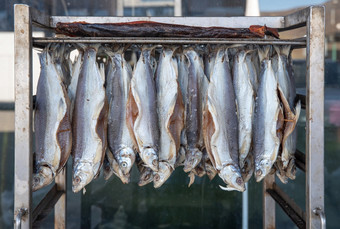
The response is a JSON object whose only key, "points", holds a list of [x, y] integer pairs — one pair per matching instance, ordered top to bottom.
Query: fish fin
{"points": [[264, 52], [131, 115], [176, 121], [101, 130], [208, 130], [192, 178]]}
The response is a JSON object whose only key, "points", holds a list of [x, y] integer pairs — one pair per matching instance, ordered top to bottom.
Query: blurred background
{"points": [[110, 204]]}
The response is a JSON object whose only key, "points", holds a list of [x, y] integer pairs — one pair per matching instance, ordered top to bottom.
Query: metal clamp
{"points": [[318, 211], [21, 213]]}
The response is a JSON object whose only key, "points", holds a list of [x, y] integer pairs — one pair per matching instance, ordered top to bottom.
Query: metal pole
{"points": [[120, 8], [178, 8], [315, 115], [23, 161], [268, 203], [60, 207], [245, 208]]}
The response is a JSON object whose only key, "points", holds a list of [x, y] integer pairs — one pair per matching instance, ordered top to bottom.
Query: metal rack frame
{"points": [[312, 162]]}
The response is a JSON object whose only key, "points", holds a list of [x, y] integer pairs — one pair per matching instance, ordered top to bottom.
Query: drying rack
{"points": [[311, 162]]}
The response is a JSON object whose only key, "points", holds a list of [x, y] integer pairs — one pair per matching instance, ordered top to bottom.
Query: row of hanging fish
{"points": [[226, 110]]}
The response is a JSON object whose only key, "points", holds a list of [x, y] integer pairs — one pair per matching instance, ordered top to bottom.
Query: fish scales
{"points": [[195, 95], [245, 98], [142, 111], [170, 114], [267, 115], [89, 121], [220, 124], [53, 137], [120, 142]]}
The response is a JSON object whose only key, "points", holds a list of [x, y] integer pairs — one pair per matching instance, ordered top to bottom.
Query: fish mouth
{"points": [[150, 158], [193, 158], [82, 175], [162, 175], [232, 177], [43, 178], [145, 178]]}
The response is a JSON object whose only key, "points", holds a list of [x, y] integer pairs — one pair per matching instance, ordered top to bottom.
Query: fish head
{"points": [[193, 157], [127, 158], [150, 158], [248, 168], [262, 169], [210, 170], [107, 171], [164, 172], [82, 175], [43, 177], [145, 177], [233, 178]]}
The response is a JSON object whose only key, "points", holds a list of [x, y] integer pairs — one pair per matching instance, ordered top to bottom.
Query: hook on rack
{"points": [[21, 212], [318, 212]]}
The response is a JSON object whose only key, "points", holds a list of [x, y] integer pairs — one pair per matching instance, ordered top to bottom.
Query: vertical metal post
{"points": [[120, 8], [178, 8], [315, 115], [23, 160], [268, 203], [60, 207], [245, 207]]}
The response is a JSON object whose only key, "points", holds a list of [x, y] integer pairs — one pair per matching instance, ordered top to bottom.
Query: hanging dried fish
{"points": [[183, 83], [287, 95], [245, 98], [195, 100], [141, 111], [170, 114], [268, 120], [89, 121], [220, 124], [53, 137], [120, 142]]}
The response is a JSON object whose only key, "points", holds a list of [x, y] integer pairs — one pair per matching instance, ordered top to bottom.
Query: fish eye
{"points": [[124, 164]]}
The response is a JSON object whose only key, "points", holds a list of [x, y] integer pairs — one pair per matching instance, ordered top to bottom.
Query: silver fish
{"points": [[183, 83], [196, 94], [288, 95], [245, 98], [141, 111], [170, 111], [268, 118], [89, 121], [220, 124], [53, 137], [120, 141]]}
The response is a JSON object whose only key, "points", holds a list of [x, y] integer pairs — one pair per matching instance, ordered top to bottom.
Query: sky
{"points": [[278, 5]]}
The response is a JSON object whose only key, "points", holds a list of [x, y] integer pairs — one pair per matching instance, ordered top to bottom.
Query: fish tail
{"points": [[264, 52]]}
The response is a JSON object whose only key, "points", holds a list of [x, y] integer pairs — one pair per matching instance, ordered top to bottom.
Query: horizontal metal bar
{"points": [[39, 19], [296, 19], [229, 22], [38, 41], [302, 98], [300, 160], [46, 205], [288, 206]]}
